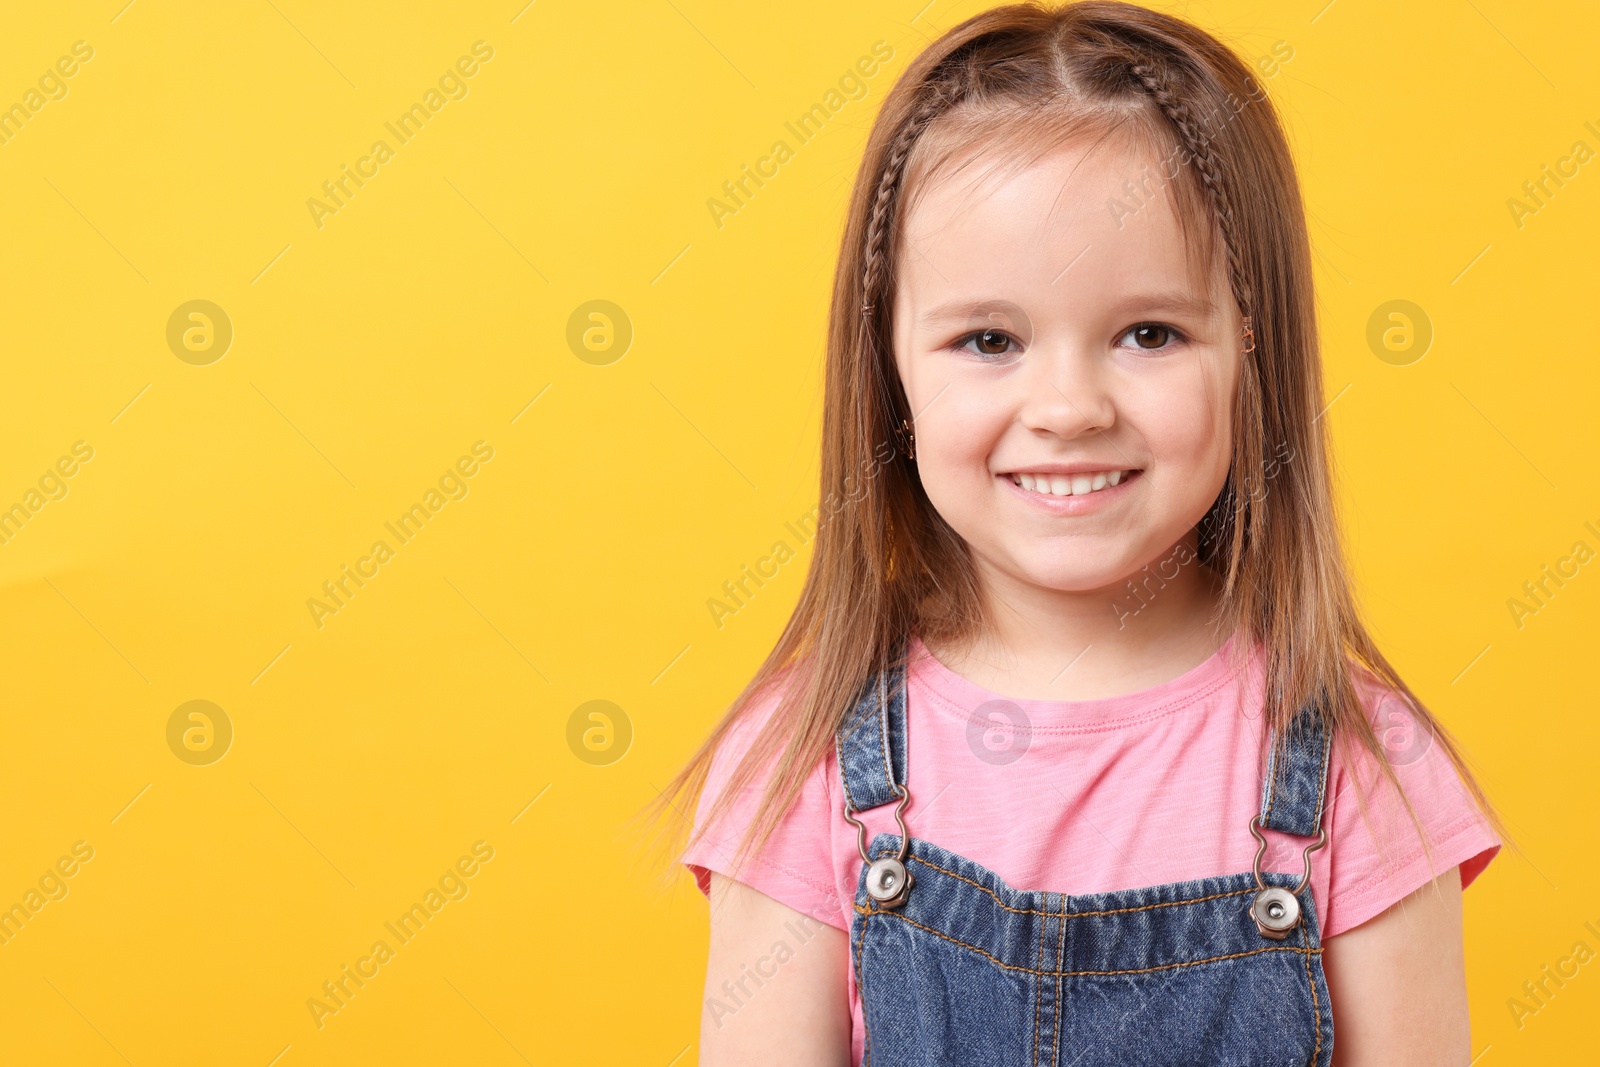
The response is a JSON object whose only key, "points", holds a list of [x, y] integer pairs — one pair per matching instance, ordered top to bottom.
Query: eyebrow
{"points": [[1178, 301], [1172, 302], [965, 310]]}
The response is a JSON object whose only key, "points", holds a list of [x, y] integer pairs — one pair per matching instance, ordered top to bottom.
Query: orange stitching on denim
{"points": [[884, 700], [842, 745], [883, 746], [844, 777], [1272, 780], [1322, 788], [1064, 914], [861, 938], [1061, 950], [1082, 974], [1038, 993], [1316, 1006]]}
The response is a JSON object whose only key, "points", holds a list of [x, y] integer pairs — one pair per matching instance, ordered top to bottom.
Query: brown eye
{"points": [[1151, 335], [992, 342], [988, 345]]}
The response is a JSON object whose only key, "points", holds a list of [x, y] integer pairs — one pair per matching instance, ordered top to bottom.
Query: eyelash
{"points": [[960, 344]]}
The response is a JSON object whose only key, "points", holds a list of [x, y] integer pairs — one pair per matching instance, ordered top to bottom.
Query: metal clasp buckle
{"points": [[888, 881], [1276, 910]]}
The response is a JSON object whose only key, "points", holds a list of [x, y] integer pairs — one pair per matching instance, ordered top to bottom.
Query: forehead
{"points": [[1090, 216]]}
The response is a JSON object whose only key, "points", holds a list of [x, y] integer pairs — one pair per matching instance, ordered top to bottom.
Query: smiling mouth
{"points": [[1070, 484]]}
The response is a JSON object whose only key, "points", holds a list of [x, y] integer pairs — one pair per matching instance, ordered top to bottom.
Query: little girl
{"points": [[1075, 749]]}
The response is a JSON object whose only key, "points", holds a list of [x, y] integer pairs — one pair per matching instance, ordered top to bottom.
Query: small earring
{"points": [[1249, 335], [906, 440]]}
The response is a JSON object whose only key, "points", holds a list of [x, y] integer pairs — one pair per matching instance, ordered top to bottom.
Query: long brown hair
{"points": [[886, 563]]}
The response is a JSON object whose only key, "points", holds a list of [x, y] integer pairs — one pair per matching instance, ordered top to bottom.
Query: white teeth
{"points": [[1068, 485]]}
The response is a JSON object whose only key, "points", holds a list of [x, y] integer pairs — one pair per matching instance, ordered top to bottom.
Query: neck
{"points": [[1050, 644]]}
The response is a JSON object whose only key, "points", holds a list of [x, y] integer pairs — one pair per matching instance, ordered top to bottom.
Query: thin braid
{"points": [[1177, 113], [888, 187], [883, 206], [1227, 522]]}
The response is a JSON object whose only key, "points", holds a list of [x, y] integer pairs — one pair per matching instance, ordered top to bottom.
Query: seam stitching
{"points": [[1446, 836], [1064, 914], [1061, 948], [1084, 974], [1038, 992], [861, 993], [1316, 1006]]}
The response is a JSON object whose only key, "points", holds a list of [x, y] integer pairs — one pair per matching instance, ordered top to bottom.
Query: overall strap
{"points": [[872, 740], [1296, 777]]}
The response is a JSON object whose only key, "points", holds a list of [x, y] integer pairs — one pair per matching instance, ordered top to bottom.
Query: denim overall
{"points": [[956, 967]]}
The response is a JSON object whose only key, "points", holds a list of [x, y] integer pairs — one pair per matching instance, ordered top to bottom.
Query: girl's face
{"points": [[1053, 339]]}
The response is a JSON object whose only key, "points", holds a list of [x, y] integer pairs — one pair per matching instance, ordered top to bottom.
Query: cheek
{"points": [[1189, 421], [958, 431], [1206, 440], [1191, 444], [953, 447]]}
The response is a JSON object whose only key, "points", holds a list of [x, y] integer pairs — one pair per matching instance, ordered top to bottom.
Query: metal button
{"points": [[888, 882], [1276, 912]]}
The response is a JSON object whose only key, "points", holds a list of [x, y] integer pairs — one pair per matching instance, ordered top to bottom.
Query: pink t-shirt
{"points": [[1127, 791]]}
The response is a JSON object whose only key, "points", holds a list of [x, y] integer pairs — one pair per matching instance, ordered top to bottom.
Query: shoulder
{"points": [[763, 717], [758, 725], [1390, 836], [792, 865]]}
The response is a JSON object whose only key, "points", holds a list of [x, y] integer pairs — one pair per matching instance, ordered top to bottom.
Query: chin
{"points": [[1068, 575]]}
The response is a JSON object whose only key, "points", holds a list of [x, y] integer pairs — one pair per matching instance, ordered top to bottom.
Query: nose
{"points": [[1066, 392]]}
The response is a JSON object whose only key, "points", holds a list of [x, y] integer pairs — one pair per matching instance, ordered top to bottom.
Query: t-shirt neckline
{"points": [[961, 696]]}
